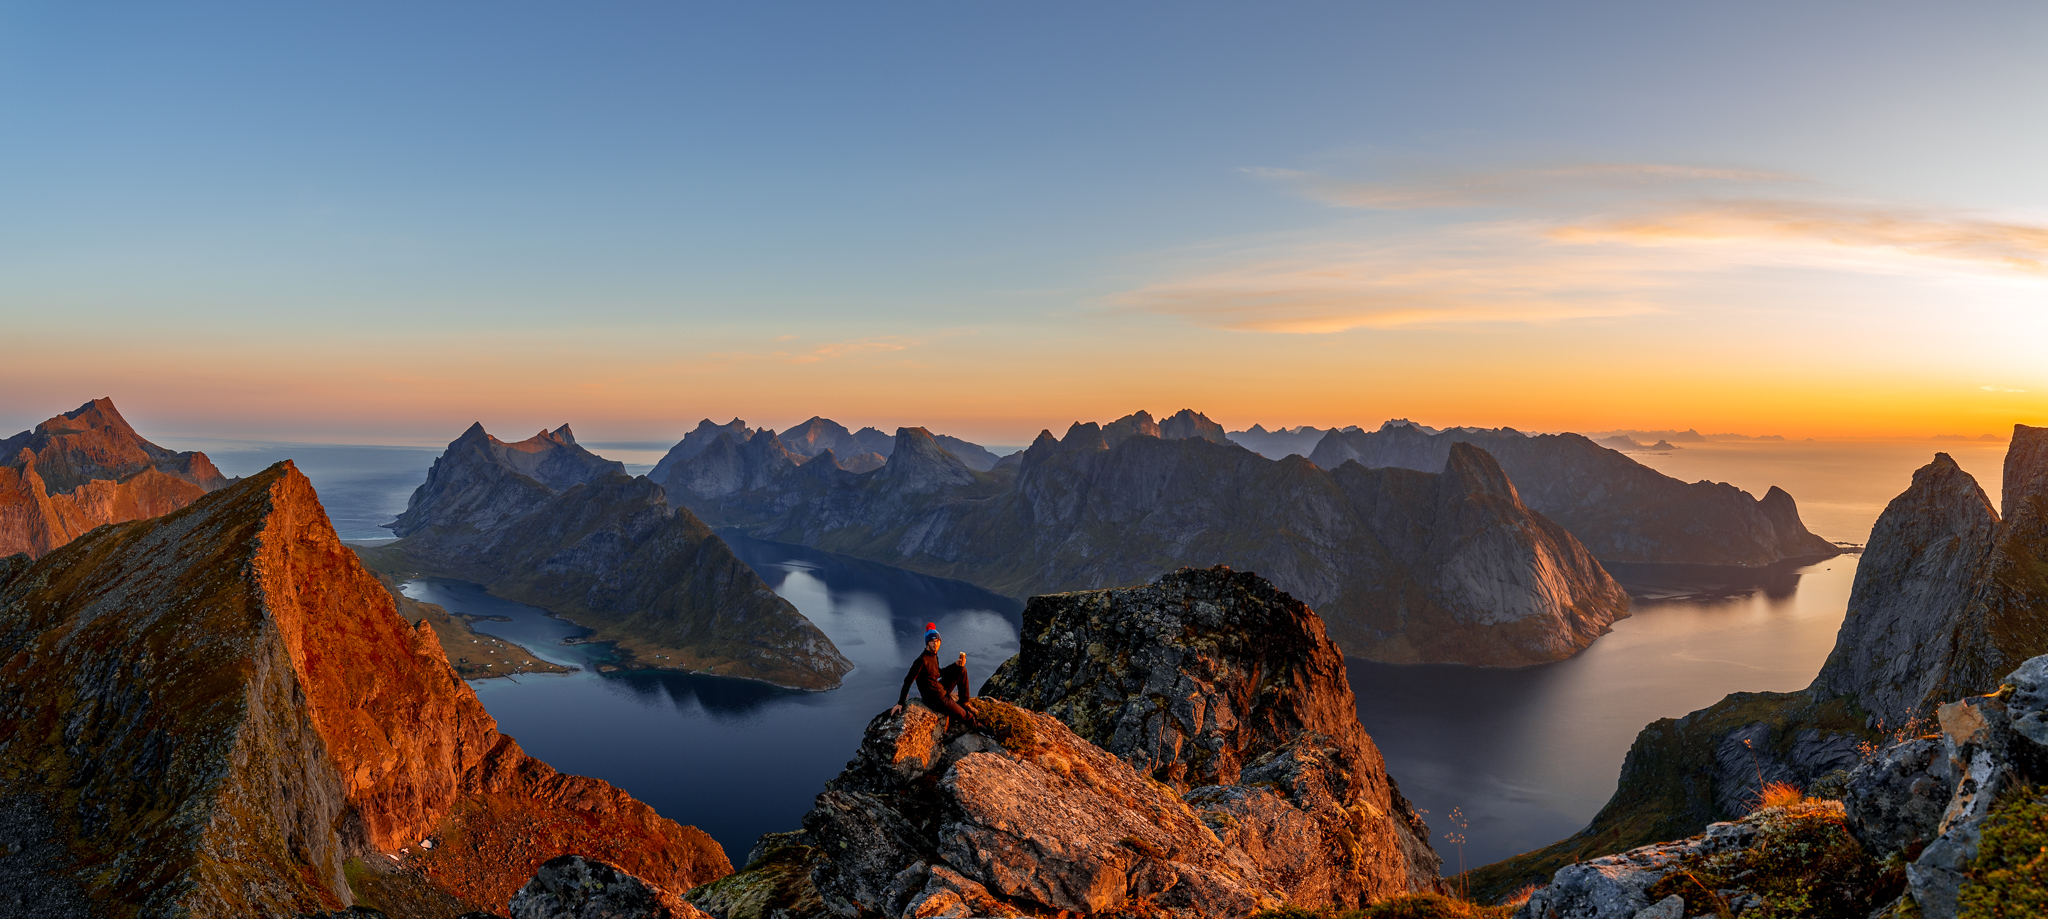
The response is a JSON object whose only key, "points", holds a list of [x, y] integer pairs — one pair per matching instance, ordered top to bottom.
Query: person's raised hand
{"points": [[963, 657], [895, 710]]}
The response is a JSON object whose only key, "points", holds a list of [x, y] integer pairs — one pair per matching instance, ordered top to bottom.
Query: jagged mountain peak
{"points": [[1188, 423], [1083, 435], [919, 464], [88, 467], [2026, 468], [1473, 471]]}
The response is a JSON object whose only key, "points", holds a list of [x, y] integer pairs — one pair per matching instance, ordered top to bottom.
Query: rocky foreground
{"points": [[85, 468], [219, 712], [1199, 756], [1925, 826]]}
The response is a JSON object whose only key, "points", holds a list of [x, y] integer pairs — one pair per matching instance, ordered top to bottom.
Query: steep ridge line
{"points": [[220, 707]]}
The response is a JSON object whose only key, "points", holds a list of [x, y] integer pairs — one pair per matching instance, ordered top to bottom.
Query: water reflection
{"points": [[1531, 754], [734, 757]]}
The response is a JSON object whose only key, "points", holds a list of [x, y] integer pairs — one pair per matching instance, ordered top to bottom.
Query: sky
{"points": [[378, 222]]}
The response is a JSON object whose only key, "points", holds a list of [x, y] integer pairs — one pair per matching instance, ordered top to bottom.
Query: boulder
{"points": [[574, 887]]}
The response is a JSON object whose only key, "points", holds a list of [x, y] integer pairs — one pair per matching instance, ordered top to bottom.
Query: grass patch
{"points": [[1009, 725], [1659, 795], [1804, 865], [2009, 876]]}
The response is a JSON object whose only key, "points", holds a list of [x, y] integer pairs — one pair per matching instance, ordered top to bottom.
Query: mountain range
{"points": [[85, 468], [1622, 510], [546, 522], [1404, 566]]}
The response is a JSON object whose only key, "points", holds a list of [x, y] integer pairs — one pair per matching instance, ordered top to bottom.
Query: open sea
{"points": [[1527, 755]]}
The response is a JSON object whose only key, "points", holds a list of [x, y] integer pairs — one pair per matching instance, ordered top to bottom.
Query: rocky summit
{"points": [[85, 468], [1622, 510], [610, 553], [1404, 566], [1214, 682], [219, 712], [1250, 784]]}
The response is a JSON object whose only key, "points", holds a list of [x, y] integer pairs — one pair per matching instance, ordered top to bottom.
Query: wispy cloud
{"points": [[1911, 232], [1565, 243], [1513, 276], [840, 349], [1999, 389]]}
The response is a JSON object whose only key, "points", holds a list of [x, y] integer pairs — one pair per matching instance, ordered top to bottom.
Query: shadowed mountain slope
{"points": [[85, 468], [1622, 510], [608, 552], [1404, 566], [219, 712]]}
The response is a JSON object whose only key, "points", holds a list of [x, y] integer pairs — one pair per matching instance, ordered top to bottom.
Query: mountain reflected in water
{"points": [[734, 757]]}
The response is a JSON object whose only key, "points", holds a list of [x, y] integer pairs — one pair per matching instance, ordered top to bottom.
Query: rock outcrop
{"points": [[85, 468], [1620, 509], [611, 554], [1404, 566], [1950, 593], [1228, 690], [215, 711], [1189, 765], [574, 887]]}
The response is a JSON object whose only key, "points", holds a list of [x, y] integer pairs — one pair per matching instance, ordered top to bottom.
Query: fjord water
{"points": [[1528, 755], [733, 757]]}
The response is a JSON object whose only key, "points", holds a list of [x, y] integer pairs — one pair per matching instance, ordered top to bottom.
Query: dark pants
{"points": [[953, 678]]}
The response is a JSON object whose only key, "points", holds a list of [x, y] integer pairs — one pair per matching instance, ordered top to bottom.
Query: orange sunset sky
{"points": [[378, 224]]}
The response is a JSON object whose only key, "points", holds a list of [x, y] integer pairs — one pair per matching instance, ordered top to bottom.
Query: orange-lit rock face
{"points": [[85, 468], [227, 691]]}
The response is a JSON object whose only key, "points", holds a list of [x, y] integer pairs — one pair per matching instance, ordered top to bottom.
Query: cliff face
{"points": [[85, 468], [1620, 509], [610, 553], [1405, 566], [1950, 594], [1253, 690], [218, 707], [1200, 755]]}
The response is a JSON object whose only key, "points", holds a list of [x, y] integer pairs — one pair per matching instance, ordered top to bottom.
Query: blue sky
{"points": [[384, 220]]}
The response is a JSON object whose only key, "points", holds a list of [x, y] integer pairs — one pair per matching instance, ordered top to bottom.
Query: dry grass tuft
{"points": [[1780, 794]]}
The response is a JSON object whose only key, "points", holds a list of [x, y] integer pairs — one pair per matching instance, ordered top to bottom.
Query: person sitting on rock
{"points": [[937, 685]]}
